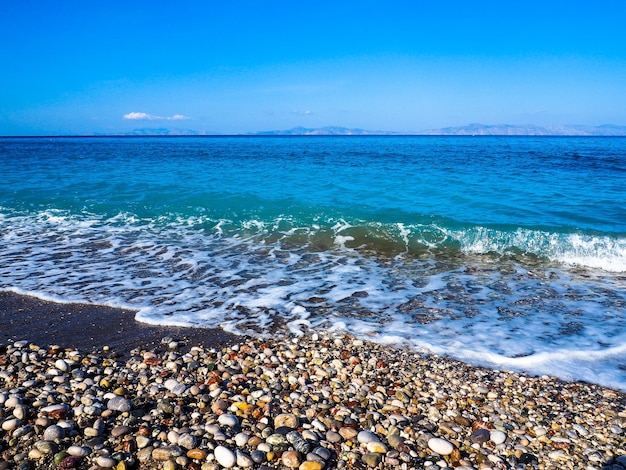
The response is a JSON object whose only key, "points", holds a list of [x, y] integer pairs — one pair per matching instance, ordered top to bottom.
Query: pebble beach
{"points": [[316, 402]]}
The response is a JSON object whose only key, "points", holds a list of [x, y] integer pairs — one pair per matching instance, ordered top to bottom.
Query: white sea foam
{"points": [[594, 251], [544, 318]]}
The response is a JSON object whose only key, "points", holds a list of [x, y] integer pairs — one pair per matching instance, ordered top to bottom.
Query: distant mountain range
{"points": [[471, 129], [507, 129], [328, 130], [165, 131]]}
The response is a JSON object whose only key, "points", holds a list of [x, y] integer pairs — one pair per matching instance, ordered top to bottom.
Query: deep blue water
{"points": [[503, 251]]}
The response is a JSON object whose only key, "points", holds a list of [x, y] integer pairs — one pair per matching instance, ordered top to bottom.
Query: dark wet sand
{"points": [[90, 328]]}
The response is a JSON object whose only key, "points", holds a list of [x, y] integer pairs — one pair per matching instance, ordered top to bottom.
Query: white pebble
{"points": [[61, 365], [170, 384], [12, 402], [53, 408], [20, 412], [228, 420], [53, 433], [367, 436], [172, 437], [497, 437], [241, 439], [187, 441], [440, 446], [78, 451], [34, 454], [558, 455], [224, 456], [105, 461]]}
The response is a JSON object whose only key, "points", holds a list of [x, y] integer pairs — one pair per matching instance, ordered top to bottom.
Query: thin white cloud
{"points": [[302, 112], [149, 117]]}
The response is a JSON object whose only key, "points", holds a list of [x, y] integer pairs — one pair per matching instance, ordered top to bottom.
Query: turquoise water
{"points": [[502, 251]]}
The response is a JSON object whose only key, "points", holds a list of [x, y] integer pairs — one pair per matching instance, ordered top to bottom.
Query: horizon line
{"points": [[198, 136]]}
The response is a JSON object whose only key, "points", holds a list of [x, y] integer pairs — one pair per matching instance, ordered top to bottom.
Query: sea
{"points": [[505, 252]]}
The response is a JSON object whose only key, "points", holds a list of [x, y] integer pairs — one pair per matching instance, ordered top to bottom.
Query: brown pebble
{"points": [[220, 406], [462, 421], [476, 425], [348, 433], [129, 445], [560, 445], [166, 453], [198, 454], [291, 459], [311, 465]]}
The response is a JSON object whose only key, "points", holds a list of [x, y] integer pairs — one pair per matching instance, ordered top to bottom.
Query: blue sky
{"points": [[85, 67]]}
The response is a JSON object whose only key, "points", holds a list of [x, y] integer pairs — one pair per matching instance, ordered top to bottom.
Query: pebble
{"points": [[61, 365], [12, 401], [332, 402], [118, 403], [219, 406], [20, 412], [228, 420], [288, 420], [10, 424], [54, 433], [348, 433], [367, 436], [480, 436], [497, 437], [241, 439], [187, 441], [143, 442], [440, 446], [46, 447], [377, 447], [78, 451], [166, 452], [322, 452], [197, 454], [258, 456], [225, 457], [243, 459], [291, 459], [372, 459], [105, 461], [70, 462], [311, 465]]}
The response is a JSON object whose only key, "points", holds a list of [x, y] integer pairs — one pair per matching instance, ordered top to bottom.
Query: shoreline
{"points": [[81, 326], [323, 401]]}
